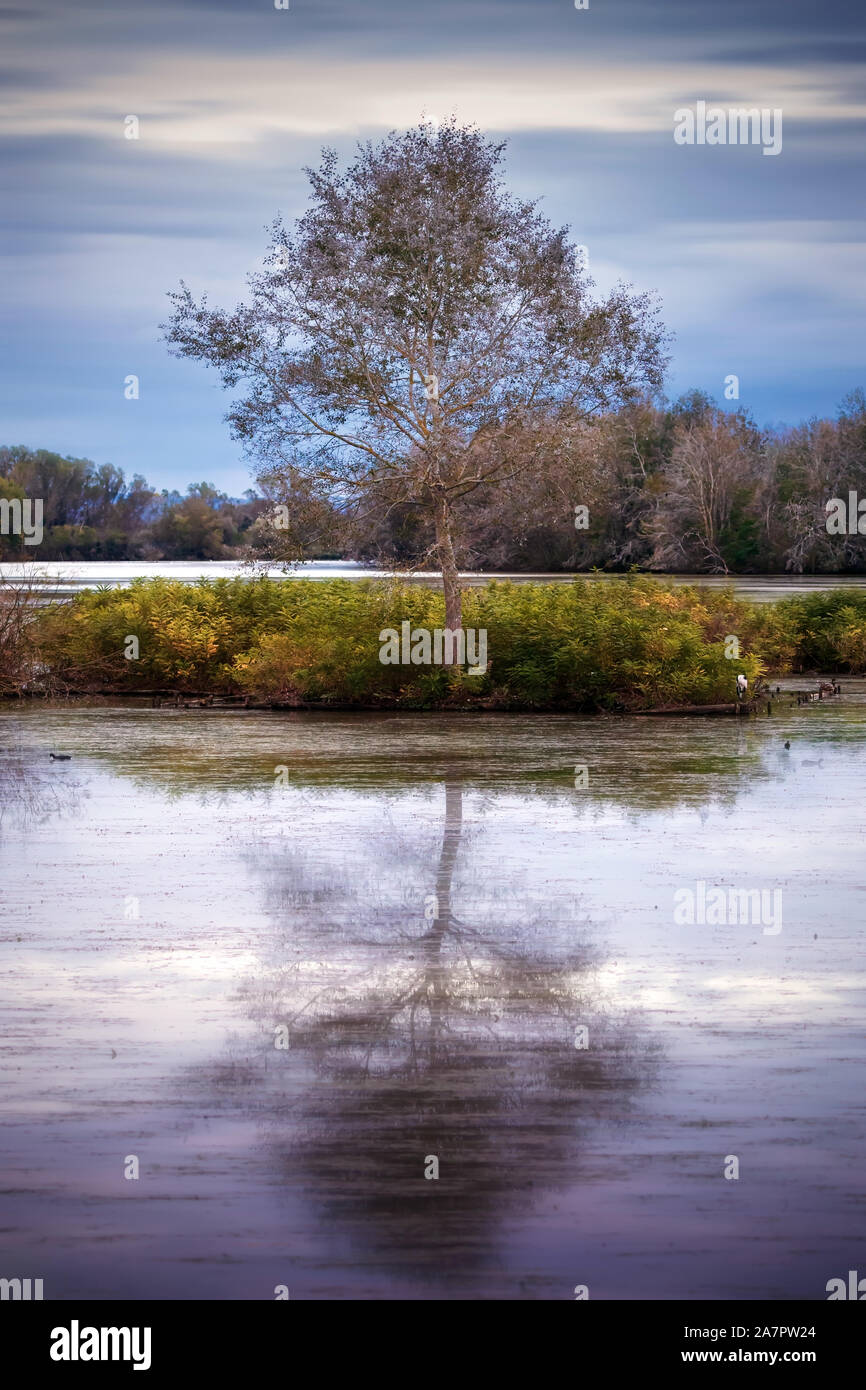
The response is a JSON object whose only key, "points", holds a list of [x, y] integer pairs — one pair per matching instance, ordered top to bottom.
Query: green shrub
{"points": [[829, 628], [602, 644]]}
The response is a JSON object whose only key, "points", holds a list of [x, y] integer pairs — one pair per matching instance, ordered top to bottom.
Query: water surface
{"points": [[67, 577], [427, 911]]}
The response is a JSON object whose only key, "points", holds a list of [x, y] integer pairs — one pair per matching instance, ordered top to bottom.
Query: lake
{"points": [[67, 578], [291, 964]]}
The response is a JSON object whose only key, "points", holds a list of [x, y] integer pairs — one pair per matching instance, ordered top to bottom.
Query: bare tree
{"points": [[420, 334], [812, 464], [714, 470], [20, 598]]}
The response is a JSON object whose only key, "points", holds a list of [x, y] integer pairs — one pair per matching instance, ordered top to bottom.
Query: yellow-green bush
{"points": [[603, 644], [615, 644]]}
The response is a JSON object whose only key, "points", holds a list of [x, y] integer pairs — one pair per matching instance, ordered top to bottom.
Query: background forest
{"points": [[678, 487]]}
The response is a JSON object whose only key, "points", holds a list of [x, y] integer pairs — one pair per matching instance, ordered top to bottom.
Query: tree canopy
{"points": [[419, 334]]}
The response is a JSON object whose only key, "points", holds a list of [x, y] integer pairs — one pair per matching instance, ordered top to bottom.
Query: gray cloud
{"points": [[759, 261]]}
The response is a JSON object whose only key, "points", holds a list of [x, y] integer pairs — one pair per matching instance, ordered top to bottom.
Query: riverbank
{"points": [[629, 645]]}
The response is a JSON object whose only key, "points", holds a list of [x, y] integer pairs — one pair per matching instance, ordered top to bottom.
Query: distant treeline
{"points": [[683, 487], [91, 512]]}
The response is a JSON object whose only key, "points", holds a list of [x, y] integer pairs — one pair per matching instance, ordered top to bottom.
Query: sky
{"points": [[758, 259]]}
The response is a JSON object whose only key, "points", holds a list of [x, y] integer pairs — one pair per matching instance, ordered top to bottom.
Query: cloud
{"points": [[214, 103], [759, 261]]}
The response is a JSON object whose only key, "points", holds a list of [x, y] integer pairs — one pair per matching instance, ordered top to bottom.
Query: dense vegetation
{"points": [[685, 487], [92, 512], [626, 644]]}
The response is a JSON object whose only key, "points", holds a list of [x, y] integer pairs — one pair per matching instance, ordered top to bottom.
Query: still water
{"points": [[64, 578], [285, 960]]}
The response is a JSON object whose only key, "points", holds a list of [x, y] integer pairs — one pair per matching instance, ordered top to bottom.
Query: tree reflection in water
{"points": [[33, 792], [456, 1041]]}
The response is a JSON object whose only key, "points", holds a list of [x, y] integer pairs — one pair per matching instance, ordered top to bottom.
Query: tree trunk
{"points": [[448, 563]]}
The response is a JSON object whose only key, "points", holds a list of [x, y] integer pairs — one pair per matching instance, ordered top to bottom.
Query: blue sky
{"points": [[759, 261]]}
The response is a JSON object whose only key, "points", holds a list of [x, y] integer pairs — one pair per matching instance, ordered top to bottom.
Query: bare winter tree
{"points": [[420, 334], [813, 463], [714, 471], [20, 599]]}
